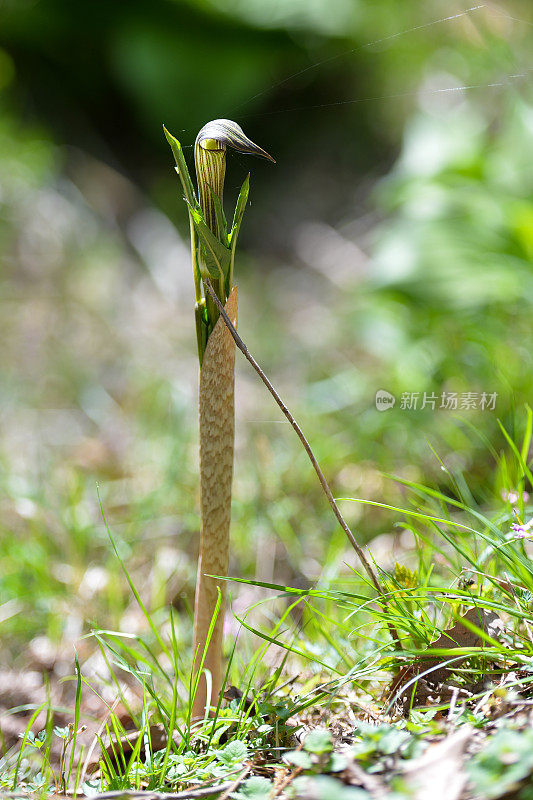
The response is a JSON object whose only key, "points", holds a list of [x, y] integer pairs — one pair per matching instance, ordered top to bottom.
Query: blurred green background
{"points": [[390, 248]]}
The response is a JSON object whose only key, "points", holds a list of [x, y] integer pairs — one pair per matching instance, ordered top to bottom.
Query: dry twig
{"points": [[307, 447]]}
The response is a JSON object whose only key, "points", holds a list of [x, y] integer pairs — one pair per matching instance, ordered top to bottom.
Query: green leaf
{"points": [[181, 168], [240, 208], [216, 256], [318, 741], [234, 753], [299, 758], [505, 761], [337, 763], [254, 789]]}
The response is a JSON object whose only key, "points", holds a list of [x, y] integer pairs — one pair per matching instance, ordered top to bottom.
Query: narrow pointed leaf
{"points": [[181, 168], [240, 208]]}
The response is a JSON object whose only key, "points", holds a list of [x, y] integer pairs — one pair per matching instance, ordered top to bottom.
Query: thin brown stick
{"points": [[307, 447], [291, 776], [287, 780], [236, 783]]}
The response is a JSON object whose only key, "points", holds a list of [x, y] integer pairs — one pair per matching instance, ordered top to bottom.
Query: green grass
{"points": [[322, 646]]}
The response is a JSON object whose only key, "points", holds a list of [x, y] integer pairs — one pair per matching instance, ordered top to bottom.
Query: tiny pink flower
{"points": [[522, 530]]}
